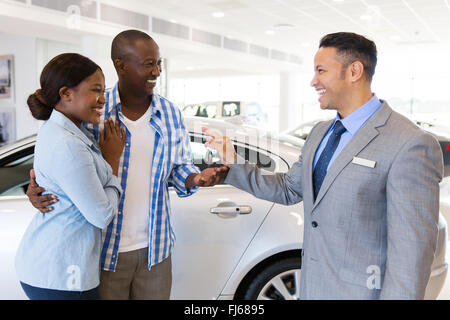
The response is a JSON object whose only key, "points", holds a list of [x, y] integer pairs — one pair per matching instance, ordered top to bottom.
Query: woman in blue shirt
{"points": [[59, 255]]}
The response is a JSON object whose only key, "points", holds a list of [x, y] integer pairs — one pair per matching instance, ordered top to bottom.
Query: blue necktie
{"points": [[320, 171]]}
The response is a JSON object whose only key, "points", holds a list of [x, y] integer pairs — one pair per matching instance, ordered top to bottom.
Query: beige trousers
{"points": [[133, 281]]}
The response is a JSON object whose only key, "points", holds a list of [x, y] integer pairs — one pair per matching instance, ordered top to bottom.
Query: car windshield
{"points": [[252, 109], [14, 170]]}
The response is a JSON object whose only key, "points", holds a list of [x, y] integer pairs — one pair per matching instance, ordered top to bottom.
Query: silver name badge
{"points": [[364, 162]]}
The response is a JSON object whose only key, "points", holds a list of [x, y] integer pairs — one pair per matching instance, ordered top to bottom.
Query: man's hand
{"points": [[223, 146], [207, 178], [34, 194]]}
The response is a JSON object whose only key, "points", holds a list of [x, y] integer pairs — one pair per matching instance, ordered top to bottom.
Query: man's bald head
{"points": [[124, 40]]}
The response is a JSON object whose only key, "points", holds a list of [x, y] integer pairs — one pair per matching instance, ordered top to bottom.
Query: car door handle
{"points": [[233, 209], [230, 210]]}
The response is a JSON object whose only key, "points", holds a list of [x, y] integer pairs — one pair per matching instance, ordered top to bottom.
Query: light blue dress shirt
{"points": [[353, 122], [61, 249]]}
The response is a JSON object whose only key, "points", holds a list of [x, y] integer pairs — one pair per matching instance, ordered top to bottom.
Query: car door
{"points": [[15, 215], [209, 245]]}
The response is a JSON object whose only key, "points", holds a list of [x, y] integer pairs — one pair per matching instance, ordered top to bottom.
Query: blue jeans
{"points": [[35, 293]]}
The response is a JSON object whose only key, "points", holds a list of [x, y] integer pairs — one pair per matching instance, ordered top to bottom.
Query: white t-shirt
{"points": [[136, 210]]}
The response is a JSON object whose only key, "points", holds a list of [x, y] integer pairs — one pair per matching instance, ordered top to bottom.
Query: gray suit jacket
{"points": [[372, 232]]}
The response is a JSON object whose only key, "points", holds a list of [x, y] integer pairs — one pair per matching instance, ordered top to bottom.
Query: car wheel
{"points": [[278, 281]]}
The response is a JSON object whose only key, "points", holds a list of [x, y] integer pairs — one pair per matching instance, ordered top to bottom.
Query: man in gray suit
{"points": [[369, 181]]}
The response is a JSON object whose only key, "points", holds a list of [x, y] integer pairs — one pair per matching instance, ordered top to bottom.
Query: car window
{"points": [[231, 109], [252, 109], [190, 110], [211, 110], [208, 111], [423, 125], [303, 131], [205, 157], [15, 172]]}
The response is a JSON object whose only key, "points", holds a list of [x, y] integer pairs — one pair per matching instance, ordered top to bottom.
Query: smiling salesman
{"points": [[369, 181], [137, 245]]}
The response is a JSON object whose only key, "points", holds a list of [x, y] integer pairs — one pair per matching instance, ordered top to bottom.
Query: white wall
{"points": [[98, 49], [24, 50], [31, 54]]}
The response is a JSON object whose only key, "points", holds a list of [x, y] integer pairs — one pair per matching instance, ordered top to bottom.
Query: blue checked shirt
{"points": [[172, 163]]}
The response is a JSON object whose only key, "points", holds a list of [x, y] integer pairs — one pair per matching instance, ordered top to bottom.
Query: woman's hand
{"points": [[111, 141]]}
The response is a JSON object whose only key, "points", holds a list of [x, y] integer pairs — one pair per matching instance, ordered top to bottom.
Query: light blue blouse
{"points": [[61, 249]]}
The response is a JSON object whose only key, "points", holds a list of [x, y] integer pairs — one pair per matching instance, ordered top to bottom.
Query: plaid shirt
{"points": [[172, 163]]}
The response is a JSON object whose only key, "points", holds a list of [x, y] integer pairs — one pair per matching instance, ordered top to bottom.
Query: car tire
{"points": [[277, 281]]}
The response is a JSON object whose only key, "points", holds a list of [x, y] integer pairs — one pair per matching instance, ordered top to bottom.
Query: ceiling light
{"points": [[218, 14], [366, 17], [283, 26], [270, 32]]}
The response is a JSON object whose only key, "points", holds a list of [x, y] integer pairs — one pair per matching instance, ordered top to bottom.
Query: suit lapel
{"points": [[362, 138]]}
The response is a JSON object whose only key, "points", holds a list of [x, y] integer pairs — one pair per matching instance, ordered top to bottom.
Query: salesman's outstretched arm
{"points": [[284, 188]]}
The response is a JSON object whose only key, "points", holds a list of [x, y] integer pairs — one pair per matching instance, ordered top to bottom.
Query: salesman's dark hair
{"points": [[353, 47], [64, 70]]}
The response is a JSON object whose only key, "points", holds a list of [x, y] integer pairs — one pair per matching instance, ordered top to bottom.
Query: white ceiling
{"points": [[391, 22]]}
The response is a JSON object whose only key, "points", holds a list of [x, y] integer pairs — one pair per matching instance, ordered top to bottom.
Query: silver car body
{"points": [[215, 254]]}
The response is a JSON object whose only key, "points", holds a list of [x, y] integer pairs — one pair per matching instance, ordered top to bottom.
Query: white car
{"points": [[239, 112], [298, 135], [230, 245]]}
